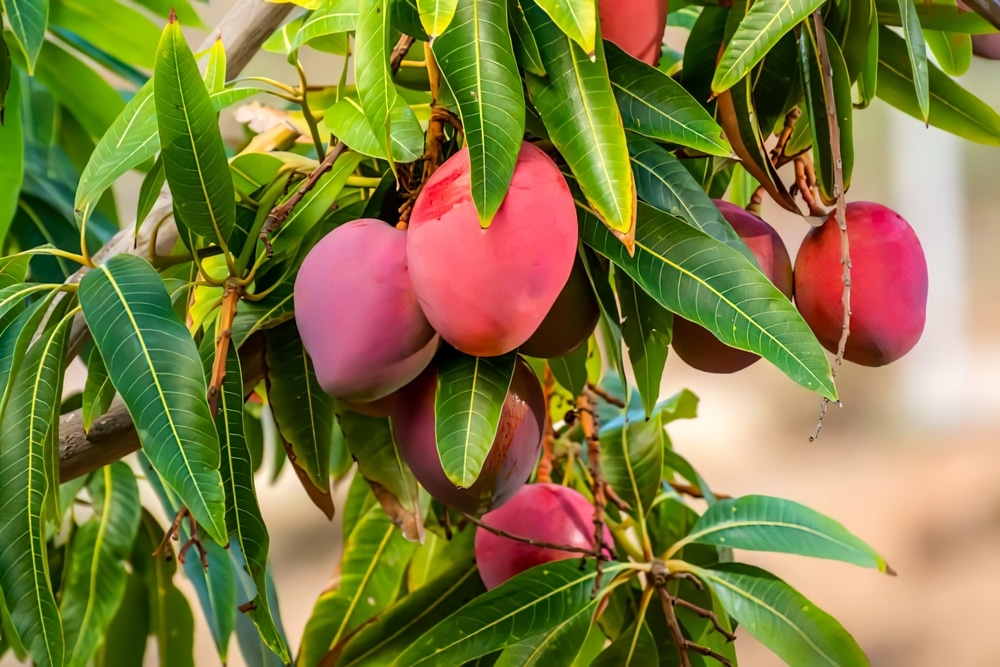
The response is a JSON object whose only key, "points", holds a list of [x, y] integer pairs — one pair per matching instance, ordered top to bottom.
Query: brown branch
{"points": [[399, 52], [778, 152], [280, 213], [840, 213], [230, 300], [605, 396], [544, 475], [693, 491], [172, 531], [590, 553], [706, 614], [675, 627]]}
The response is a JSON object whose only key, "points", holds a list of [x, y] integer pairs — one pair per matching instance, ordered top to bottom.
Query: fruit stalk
{"points": [[589, 553]]}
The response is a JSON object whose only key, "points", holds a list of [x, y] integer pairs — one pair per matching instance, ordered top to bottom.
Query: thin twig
{"points": [[399, 52], [791, 118], [840, 212], [280, 213], [230, 300], [605, 396], [544, 475], [693, 491], [172, 531], [193, 541], [591, 553], [706, 614], [675, 627], [705, 651]]}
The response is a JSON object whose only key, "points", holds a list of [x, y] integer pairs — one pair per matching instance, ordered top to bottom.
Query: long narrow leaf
{"points": [[28, 21], [917, 48], [371, 68]]}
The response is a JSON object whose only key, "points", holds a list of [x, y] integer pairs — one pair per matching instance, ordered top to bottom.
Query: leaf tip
{"points": [[173, 16]]}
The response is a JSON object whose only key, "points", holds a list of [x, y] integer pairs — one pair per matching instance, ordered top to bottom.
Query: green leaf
{"points": [[436, 15], [936, 16], [332, 17], [576, 18], [28, 20], [852, 22], [766, 23], [131, 37], [525, 46], [917, 49], [952, 50], [702, 51], [476, 57], [371, 68], [215, 69], [817, 104], [655, 105], [952, 108], [579, 110], [346, 120], [11, 155], [194, 157], [149, 192], [600, 280], [711, 284], [272, 311], [647, 328], [154, 365], [570, 371], [98, 391], [470, 395], [30, 408], [302, 410], [373, 446], [632, 460], [244, 522], [762, 523], [437, 554], [375, 558], [96, 583], [216, 589], [528, 604], [412, 616], [781, 618], [126, 636], [556, 647], [634, 647]]}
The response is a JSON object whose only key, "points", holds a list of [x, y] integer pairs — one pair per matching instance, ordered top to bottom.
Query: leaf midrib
{"points": [[363, 583]]}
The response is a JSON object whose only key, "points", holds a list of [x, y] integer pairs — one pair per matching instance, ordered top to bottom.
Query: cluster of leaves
{"points": [[184, 338]]}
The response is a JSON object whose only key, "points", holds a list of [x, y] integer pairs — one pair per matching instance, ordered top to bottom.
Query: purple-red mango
{"points": [[635, 26], [570, 321]]}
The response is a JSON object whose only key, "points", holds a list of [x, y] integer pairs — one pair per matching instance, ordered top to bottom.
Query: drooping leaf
{"points": [[436, 15], [936, 16], [330, 18], [576, 18], [28, 21], [851, 23], [759, 30], [131, 37], [525, 46], [917, 48], [952, 50], [702, 52], [476, 57], [371, 68], [818, 103], [655, 105], [952, 108], [579, 110], [346, 119], [11, 154], [194, 157], [600, 280], [711, 284], [647, 328], [154, 365], [570, 371], [97, 389], [467, 406], [30, 407], [302, 410], [632, 461], [244, 522], [761, 523], [437, 554], [375, 557], [96, 583], [215, 586], [530, 603], [412, 616], [781, 618], [126, 636], [558, 646], [634, 647]]}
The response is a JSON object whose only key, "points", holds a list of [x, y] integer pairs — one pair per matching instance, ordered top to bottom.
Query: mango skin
{"points": [[635, 26], [986, 46], [888, 284], [487, 290], [357, 313], [570, 321], [696, 345], [509, 464], [544, 512]]}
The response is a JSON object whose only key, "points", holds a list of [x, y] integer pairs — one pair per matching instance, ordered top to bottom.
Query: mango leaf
{"points": [[436, 15], [936, 16], [330, 18], [576, 18], [28, 21], [851, 23], [759, 30], [130, 38], [525, 46], [917, 48], [952, 50], [702, 52], [476, 57], [215, 68], [371, 68], [817, 104], [655, 105], [952, 108], [579, 110], [346, 120], [11, 154], [194, 157], [600, 280], [711, 284], [272, 311], [647, 328], [155, 366], [570, 371], [98, 391], [470, 396], [30, 407], [302, 410], [373, 446], [632, 456], [244, 522], [761, 523], [437, 554], [371, 571], [95, 586], [215, 586], [530, 603], [412, 616], [781, 618], [126, 636], [558, 646], [632, 648]]}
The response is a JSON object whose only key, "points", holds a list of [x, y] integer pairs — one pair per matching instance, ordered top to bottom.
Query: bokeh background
{"points": [[911, 462]]}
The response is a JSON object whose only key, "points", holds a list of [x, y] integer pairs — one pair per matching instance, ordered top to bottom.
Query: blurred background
{"points": [[911, 462]]}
